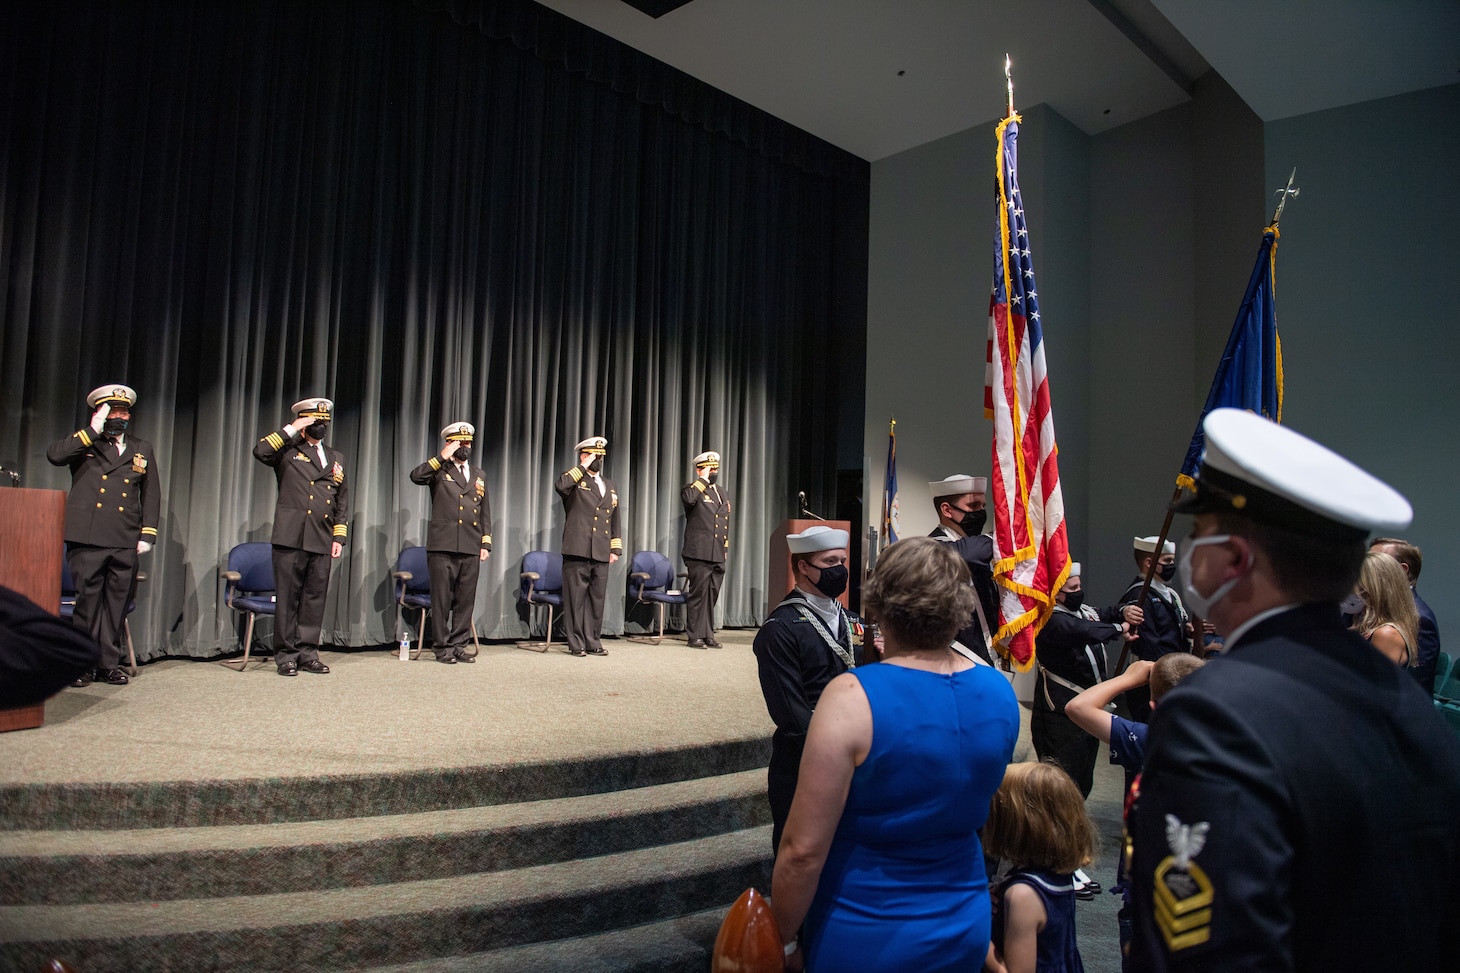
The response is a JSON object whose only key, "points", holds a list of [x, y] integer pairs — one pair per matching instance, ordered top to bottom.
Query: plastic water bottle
{"points": [[405, 647]]}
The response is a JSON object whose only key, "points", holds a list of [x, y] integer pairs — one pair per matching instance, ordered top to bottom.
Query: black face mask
{"points": [[115, 427], [316, 430], [462, 454], [596, 465], [712, 476], [973, 521], [1166, 571], [833, 580], [1074, 599]]}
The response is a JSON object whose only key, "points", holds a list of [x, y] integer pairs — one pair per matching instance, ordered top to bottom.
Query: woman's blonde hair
{"points": [[920, 593], [1387, 599], [1037, 819]]}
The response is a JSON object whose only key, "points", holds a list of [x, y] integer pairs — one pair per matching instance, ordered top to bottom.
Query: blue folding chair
{"points": [[650, 576], [249, 582], [541, 584], [413, 590], [68, 609]]}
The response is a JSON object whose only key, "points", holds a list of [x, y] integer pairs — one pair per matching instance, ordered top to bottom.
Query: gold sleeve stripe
{"points": [[84, 436], [274, 440], [435, 462], [576, 474], [699, 486], [150, 530], [340, 530], [486, 540], [616, 544]]}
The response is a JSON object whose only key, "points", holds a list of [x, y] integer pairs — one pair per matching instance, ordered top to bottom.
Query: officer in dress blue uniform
{"points": [[959, 502], [111, 520], [311, 523], [458, 539], [592, 540], [706, 547], [1165, 626], [805, 643], [1301, 756]]}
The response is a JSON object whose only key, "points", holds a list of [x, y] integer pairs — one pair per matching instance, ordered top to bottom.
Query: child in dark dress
{"points": [[1037, 821]]}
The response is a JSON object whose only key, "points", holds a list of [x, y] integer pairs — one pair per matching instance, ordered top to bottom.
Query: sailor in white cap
{"points": [[960, 503], [111, 519], [311, 523], [458, 539], [592, 540], [706, 547], [1165, 626], [808, 640], [1069, 655], [1301, 757]]}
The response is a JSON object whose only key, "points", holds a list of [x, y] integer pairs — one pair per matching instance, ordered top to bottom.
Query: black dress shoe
{"points": [[696, 643], [714, 644], [598, 651], [576, 652], [463, 657], [450, 660], [315, 666], [288, 669], [112, 677], [85, 678]]}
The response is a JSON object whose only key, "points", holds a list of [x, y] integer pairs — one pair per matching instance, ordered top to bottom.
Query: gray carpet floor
{"points": [[191, 720]]}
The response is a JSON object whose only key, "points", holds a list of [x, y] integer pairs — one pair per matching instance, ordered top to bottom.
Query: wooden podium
{"points": [[32, 537], [781, 579]]}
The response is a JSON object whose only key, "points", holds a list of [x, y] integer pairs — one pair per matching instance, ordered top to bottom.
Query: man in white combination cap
{"points": [[960, 503], [111, 520], [458, 539], [592, 541], [706, 547], [1165, 626], [808, 640], [1300, 757]]}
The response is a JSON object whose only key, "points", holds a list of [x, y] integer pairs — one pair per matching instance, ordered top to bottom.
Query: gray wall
{"points": [[1368, 309]]}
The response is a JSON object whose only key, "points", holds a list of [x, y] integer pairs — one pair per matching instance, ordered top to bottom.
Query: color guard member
{"points": [[959, 501]]}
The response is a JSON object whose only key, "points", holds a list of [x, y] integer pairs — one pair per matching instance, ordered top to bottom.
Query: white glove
{"points": [[98, 418], [143, 547]]}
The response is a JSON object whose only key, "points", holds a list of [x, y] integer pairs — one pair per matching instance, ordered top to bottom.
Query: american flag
{"points": [[1031, 549]]}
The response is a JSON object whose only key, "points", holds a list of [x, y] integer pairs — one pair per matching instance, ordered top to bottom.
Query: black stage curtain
{"points": [[428, 212]]}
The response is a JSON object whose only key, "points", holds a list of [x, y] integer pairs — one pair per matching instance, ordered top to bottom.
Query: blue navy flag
{"points": [[1250, 374]]}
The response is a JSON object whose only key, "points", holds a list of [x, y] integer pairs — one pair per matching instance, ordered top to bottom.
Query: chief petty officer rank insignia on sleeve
{"points": [[1183, 891]]}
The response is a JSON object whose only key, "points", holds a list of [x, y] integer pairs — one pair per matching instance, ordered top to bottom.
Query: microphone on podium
{"points": [[804, 512]]}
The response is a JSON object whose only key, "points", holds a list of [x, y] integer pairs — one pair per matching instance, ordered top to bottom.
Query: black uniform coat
{"points": [[114, 499], [313, 508], [461, 513], [706, 521], [591, 528], [1164, 627], [1060, 648], [1314, 789]]}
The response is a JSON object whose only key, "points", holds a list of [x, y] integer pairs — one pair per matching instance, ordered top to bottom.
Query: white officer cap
{"points": [[112, 395], [320, 408], [458, 432], [594, 444], [708, 458], [1270, 473], [958, 484], [818, 538], [1148, 545], [1074, 569]]}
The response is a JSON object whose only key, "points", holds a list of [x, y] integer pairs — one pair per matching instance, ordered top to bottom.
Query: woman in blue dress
{"points": [[881, 858]]}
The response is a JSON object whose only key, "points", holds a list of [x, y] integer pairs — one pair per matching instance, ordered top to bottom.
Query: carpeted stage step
{"points": [[628, 859], [553, 905]]}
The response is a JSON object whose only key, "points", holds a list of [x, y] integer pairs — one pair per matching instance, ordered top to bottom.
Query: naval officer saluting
{"points": [[111, 519], [310, 527], [458, 539], [592, 540], [706, 547]]}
